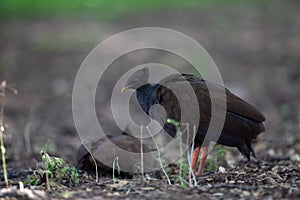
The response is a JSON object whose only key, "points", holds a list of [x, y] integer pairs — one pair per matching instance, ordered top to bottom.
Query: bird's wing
{"points": [[235, 104]]}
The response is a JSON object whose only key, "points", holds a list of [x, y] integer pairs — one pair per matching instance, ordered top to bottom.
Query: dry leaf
{"points": [[119, 184]]}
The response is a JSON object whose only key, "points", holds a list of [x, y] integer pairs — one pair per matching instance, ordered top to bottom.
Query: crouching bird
{"points": [[243, 122], [102, 147]]}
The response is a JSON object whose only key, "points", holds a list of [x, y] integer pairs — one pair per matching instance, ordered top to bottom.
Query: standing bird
{"points": [[243, 122]]}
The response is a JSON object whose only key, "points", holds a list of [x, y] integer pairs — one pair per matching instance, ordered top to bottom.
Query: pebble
{"points": [[222, 170], [246, 193], [219, 194]]}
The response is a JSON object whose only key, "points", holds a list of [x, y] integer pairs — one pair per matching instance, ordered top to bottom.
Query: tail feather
{"points": [[244, 146], [250, 146], [245, 150]]}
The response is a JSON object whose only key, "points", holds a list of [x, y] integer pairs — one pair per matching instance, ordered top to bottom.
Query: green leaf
{"points": [[295, 157]]}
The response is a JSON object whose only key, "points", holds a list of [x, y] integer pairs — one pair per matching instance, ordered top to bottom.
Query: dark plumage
{"points": [[243, 122]]}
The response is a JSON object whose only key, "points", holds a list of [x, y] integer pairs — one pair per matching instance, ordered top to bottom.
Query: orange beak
{"points": [[124, 89]]}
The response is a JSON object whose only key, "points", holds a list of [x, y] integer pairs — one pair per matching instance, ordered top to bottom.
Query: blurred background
{"points": [[255, 44]]}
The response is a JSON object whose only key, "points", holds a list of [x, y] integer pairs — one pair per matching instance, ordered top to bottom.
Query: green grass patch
{"points": [[107, 9]]}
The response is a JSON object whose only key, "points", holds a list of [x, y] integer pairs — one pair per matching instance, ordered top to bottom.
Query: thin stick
{"points": [[3, 87], [27, 131], [142, 154], [159, 157], [181, 159], [95, 163], [115, 163], [96, 168], [191, 172], [47, 182]]}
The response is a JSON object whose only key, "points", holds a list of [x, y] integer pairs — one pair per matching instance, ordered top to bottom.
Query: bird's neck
{"points": [[145, 96]]}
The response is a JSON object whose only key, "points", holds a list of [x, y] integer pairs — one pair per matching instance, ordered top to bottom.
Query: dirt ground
{"points": [[256, 48], [278, 179]]}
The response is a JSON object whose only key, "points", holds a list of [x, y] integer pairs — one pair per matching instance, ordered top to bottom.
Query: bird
{"points": [[243, 122], [100, 145]]}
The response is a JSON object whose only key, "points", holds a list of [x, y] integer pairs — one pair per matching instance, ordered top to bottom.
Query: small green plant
{"points": [[3, 87], [219, 153], [295, 157], [181, 160], [212, 163], [183, 166], [54, 171], [183, 172], [186, 176]]}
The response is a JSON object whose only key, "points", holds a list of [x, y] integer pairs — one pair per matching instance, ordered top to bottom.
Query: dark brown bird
{"points": [[243, 122], [101, 146]]}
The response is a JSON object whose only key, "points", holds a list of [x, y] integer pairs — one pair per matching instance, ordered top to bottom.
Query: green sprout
{"points": [[212, 163], [183, 167], [54, 170]]}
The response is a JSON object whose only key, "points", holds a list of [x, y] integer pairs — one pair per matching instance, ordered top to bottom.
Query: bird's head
{"points": [[137, 79]]}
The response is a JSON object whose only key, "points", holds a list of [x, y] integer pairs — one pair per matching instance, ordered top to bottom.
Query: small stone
{"points": [[222, 170], [241, 181], [246, 193], [113, 194], [219, 194]]}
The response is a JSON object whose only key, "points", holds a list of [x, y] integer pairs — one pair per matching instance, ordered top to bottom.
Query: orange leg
{"points": [[203, 156], [195, 158]]}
